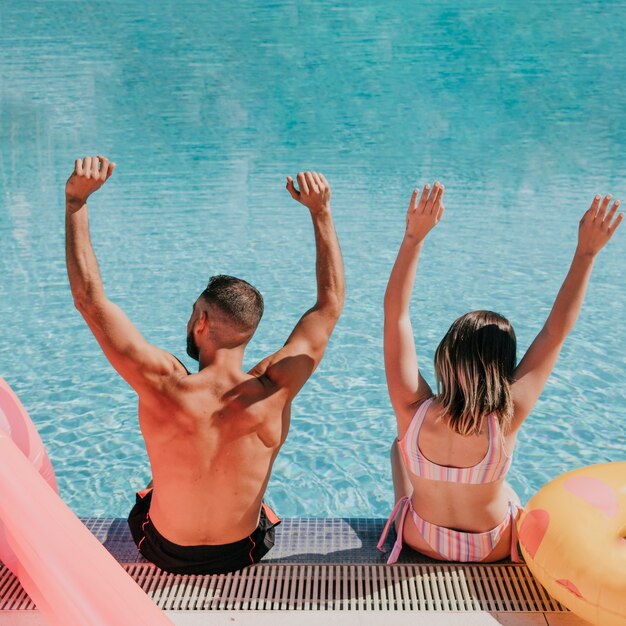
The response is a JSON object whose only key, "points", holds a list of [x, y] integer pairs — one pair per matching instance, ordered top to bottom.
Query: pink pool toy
{"points": [[16, 423], [70, 576]]}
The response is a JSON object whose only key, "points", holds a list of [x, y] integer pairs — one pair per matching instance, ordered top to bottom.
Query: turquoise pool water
{"points": [[518, 108]]}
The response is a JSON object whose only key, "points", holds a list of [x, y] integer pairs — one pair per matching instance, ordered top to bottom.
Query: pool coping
{"points": [[298, 540]]}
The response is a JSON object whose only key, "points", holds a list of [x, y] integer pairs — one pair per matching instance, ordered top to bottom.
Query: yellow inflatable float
{"points": [[573, 538]]}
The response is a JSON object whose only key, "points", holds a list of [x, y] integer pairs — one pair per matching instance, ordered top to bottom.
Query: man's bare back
{"points": [[212, 437], [211, 448]]}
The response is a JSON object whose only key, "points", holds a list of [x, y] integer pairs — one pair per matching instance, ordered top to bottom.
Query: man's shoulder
{"points": [[200, 387], [255, 387]]}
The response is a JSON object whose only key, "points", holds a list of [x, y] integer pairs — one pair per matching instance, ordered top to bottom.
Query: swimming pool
{"points": [[517, 107]]}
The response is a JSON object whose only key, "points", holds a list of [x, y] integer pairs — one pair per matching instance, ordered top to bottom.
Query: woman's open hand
{"points": [[424, 215], [597, 225]]}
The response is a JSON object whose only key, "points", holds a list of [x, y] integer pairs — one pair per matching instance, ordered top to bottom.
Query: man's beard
{"points": [[192, 347]]}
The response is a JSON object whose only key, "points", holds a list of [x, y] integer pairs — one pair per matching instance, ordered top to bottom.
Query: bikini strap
{"points": [[422, 410], [417, 420], [402, 504], [383, 536], [515, 557]]}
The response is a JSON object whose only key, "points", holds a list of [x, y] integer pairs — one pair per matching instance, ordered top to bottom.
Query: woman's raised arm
{"points": [[596, 228], [405, 383]]}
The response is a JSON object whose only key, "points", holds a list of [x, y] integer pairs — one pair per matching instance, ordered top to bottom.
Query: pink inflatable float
{"points": [[14, 421], [65, 570]]}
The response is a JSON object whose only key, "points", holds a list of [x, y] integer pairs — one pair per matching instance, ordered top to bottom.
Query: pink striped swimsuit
{"points": [[453, 545]]}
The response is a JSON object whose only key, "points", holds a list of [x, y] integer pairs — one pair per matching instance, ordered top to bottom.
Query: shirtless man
{"points": [[212, 437]]}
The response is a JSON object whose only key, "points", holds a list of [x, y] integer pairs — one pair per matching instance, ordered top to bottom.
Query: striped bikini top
{"points": [[493, 466]]}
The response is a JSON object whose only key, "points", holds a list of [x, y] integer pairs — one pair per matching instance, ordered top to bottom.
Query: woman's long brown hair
{"points": [[474, 365]]}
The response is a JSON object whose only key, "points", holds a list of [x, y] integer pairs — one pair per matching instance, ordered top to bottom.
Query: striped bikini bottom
{"points": [[450, 544]]}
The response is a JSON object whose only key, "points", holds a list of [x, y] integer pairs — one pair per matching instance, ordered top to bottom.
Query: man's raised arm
{"points": [[139, 363], [292, 365]]}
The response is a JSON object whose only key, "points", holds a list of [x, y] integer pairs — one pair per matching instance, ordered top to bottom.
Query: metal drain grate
{"points": [[414, 587], [12, 596]]}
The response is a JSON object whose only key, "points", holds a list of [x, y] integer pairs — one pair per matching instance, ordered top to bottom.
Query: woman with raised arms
{"points": [[454, 448]]}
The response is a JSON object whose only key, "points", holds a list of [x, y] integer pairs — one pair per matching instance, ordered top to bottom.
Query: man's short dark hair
{"points": [[238, 299]]}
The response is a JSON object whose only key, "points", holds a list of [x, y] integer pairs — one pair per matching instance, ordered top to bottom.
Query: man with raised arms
{"points": [[212, 437]]}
